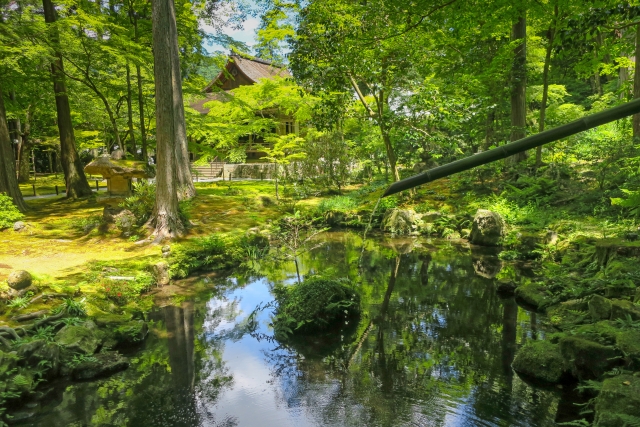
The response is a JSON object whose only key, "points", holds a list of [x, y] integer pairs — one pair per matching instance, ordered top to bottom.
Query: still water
{"points": [[433, 348]]}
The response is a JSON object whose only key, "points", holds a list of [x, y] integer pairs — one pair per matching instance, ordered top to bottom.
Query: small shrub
{"points": [[141, 202], [9, 213], [211, 252], [123, 291], [314, 305]]}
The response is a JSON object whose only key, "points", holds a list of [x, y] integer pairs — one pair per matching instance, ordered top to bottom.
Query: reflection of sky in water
{"points": [[255, 398]]}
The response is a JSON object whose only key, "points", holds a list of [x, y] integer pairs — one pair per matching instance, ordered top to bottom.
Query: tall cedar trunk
{"points": [[597, 84], [545, 85], [636, 85], [519, 86], [382, 104], [143, 129], [490, 130], [132, 137], [25, 147], [75, 179], [8, 181], [186, 190], [165, 216]]}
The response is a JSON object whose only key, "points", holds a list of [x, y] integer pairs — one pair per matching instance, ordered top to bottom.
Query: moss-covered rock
{"points": [[401, 221], [487, 229], [506, 288], [532, 295], [315, 305], [599, 308], [622, 309], [568, 314], [111, 320], [603, 332], [131, 333], [84, 339], [628, 341], [588, 359], [541, 361], [100, 365], [618, 402]]}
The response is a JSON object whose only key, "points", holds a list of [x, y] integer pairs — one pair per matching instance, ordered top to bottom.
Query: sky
{"points": [[246, 35]]}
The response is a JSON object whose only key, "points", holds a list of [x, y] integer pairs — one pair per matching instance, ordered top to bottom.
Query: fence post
{"points": [[97, 187], [34, 189], [57, 194]]}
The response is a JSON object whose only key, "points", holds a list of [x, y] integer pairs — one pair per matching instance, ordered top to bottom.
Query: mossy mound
{"points": [[532, 295], [315, 305], [568, 314], [628, 342], [589, 359], [540, 361], [619, 402]]}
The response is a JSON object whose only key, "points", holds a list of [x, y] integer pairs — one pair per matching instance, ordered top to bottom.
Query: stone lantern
{"points": [[118, 173]]}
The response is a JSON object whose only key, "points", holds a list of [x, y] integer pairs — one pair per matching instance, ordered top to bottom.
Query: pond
{"points": [[433, 348]]}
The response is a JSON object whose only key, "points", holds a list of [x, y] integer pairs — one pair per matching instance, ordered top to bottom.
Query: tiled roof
{"points": [[257, 69], [254, 70]]}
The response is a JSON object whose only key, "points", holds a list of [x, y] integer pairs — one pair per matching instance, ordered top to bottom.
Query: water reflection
{"points": [[433, 348]]}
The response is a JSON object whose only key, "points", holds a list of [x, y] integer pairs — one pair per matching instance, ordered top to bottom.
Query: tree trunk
{"points": [[636, 85], [519, 86], [545, 86], [490, 130], [143, 131], [25, 147], [134, 149], [8, 180], [76, 181], [186, 190], [165, 216]]}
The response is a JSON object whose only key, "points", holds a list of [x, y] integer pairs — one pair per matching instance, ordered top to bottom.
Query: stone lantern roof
{"points": [[118, 173]]}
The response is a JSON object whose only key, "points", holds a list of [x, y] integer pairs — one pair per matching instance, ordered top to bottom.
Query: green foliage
{"points": [[141, 202], [631, 202], [337, 203], [9, 213], [205, 253], [123, 291], [19, 302], [314, 305]]}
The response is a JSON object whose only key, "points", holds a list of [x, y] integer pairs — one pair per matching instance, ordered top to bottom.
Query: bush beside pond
{"points": [[315, 305]]}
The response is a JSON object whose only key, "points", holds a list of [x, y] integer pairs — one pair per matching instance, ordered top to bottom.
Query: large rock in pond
{"points": [[401, 221], [488, 228], [19, 279], [532, 295], [599, 308], [131, 333], [82, 338], [33, 353], [589, 359], [541, 361], [100, 365], [618, 401]]}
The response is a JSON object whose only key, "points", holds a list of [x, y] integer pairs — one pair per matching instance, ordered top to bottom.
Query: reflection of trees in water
{"points": [[435, 339], [171, 382]]}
